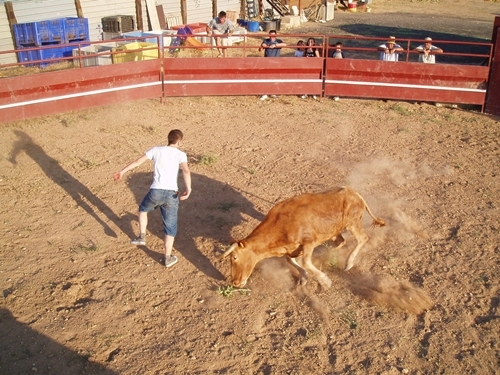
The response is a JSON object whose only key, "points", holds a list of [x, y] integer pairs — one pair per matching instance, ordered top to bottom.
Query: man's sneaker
{"points": [[274, 96], [304, 96], [263, 97], [314, 97], [336, 98], [138, 241], [170, 261]]}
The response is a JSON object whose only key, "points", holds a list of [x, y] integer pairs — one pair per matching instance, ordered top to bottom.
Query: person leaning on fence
{"points": [[224, 27], [272, 48], [300, 51], [311, 51], [389, 51], [428, 51], [337, 53]]}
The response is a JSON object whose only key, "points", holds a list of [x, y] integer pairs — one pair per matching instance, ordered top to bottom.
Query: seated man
{"points": [[221, 26]]}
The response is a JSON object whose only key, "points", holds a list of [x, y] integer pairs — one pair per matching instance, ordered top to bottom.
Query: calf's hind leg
{"points": [[361, 237]]}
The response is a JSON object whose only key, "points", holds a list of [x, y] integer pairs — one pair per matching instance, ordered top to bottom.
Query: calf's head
{"points": [[243, 261]]}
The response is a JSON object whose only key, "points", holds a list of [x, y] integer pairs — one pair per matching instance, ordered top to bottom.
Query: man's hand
{"points": [[117, 176], [185, 196]]}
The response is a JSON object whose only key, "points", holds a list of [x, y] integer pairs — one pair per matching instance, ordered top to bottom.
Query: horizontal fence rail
{"points": [[97, 73]]}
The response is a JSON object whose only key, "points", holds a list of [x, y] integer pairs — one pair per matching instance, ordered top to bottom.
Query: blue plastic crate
{"points": [[76, 29], [60, 30], [50, 31], [25, 34], [45, 54]]}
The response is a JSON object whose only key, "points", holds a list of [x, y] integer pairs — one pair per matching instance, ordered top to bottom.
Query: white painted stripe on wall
{"points": [[225, 82], [446, 88], [77, 95]]}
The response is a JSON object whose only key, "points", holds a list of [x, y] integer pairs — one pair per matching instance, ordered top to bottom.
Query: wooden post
{"points": [[214, 8], [79, 11], [184, 11], [243, 11], [138, 14], [11, 16]]}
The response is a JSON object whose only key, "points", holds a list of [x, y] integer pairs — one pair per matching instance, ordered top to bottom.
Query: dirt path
{"points": [[422, 299]]}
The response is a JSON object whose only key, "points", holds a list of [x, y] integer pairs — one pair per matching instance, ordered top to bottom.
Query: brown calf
{"points": [[296, 226]]}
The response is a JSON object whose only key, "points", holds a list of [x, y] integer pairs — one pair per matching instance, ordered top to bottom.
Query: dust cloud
{"points": [[386, 291]]}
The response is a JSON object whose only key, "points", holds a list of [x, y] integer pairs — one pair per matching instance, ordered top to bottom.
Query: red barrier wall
{"points": [[243, 76], [406, 81], [67, 90], [493, 97]]}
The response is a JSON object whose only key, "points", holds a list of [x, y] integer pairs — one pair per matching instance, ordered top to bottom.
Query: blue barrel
{"points": [[253, 26]]}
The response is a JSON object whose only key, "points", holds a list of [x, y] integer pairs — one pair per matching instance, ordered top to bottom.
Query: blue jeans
{"points": [[168, 201]]}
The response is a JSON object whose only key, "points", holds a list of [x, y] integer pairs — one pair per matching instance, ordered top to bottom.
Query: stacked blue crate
{"points": [[50, 33]]}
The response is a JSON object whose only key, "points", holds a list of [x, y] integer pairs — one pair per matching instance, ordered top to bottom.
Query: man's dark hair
{"points": [[222, 14], [272, 32], [175, 136]]}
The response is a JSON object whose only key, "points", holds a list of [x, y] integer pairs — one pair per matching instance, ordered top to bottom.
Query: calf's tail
{"points": [[377, 222]]}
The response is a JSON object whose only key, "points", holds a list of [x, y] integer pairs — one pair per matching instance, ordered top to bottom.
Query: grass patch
{"points": [[401, 110], [209, 159], [251, 170], [91, 248], [227, 291], [350, 318]]}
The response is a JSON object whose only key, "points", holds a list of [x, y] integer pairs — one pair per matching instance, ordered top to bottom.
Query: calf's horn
{"points": [[228, 251]]}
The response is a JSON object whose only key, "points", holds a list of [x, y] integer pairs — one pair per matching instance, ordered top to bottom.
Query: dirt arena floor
{"points": [[423, 297]]}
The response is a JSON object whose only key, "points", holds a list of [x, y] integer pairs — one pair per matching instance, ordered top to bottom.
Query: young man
{"points": [[221, 26], [272, 48], [389, 51], [427, 52], [163, 192]]}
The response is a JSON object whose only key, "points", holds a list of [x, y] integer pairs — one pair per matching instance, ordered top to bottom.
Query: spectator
{"points": [[222, 28], [272, 48], [311, 51], [389, 51], [300, 52], [427, 52], [337, 53]]}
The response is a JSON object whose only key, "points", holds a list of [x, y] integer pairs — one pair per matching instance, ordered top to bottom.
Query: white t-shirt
{"points": [[389, 56], [430, 59], [166, 166]]}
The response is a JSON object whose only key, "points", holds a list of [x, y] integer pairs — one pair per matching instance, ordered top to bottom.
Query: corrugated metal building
{"points": [[39, 10]]}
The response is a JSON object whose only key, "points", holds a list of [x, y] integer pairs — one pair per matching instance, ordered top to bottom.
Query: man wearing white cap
{"points": [[428, 51]]}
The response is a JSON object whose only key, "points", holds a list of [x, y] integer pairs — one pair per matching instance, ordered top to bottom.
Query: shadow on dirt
{"points": [[73, 187], [209, 214], [24, 350]]}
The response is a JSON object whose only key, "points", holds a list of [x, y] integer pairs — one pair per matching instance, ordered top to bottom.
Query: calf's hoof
{"points": [[303, 280], [325, 282]]}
